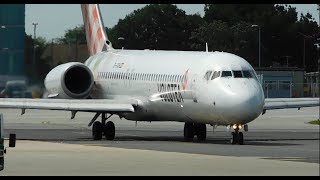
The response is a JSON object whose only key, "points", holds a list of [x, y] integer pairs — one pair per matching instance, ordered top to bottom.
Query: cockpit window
{"points": [[226, 74], [237, 74], [247, 74], [253, 74], [207, 75], [215, 75]]}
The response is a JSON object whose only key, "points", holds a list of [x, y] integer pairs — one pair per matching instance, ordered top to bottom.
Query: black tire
{"points": [[97, 130], [109, 130], [188, 131], [201, 132], [234, 138], [240, 138], [1, 163]]}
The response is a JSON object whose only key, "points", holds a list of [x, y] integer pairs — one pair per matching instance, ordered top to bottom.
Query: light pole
{"points": [[255, 25], [304, 47], [34, 49], [287, 58]]}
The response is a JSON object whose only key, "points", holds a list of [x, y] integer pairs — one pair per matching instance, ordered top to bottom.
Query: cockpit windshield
{"points": [[234, 73], [226, 74], [237, 74], [247, 74], [215, 75]]}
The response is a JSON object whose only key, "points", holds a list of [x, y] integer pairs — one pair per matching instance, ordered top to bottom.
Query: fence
{"points": [[287, 89]]}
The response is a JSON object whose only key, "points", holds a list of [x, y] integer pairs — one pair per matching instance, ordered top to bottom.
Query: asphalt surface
{"points": [[275, 143]]}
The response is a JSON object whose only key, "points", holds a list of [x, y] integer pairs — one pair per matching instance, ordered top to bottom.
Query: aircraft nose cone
{"points": [[245, 104]]}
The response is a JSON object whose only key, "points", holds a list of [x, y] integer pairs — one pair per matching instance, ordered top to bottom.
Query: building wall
{"points": [[12, 39], [282, 84]]}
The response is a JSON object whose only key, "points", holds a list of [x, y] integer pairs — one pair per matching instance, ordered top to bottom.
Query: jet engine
{"points": [[72, 80]]}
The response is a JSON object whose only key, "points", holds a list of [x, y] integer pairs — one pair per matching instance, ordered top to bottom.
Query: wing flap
{"points": [[283, 103], [85, 105]]}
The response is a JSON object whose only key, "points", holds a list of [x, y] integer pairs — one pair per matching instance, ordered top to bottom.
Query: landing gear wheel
{"points": [[97, 130], [109, 130], [188, 131], [201, 132], [234, 138], [240, 138], [1, 163]]}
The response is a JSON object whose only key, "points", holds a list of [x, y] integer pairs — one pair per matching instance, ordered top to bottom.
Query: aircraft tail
{"points": [[97, 39]]}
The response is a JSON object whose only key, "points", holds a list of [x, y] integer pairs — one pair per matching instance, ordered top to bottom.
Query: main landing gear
{"points": [[102, 128], [192, 129], [236, 136]]}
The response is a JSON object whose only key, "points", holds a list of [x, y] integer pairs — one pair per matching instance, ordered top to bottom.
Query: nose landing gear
{"points": [[236, 136]]}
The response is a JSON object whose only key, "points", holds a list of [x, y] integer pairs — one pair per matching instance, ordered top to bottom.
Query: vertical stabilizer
{"points": [[97, 39]]}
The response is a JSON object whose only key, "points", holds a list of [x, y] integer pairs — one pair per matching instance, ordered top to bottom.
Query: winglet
{"points": [[97, 39]]}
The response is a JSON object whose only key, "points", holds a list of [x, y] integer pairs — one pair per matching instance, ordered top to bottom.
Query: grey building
{"points": [[12, 39], [282, 82], [312, 87]]}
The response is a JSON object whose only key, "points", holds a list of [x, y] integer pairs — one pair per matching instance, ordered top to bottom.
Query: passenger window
{"points": [[226, 74], [237, 74], [207, 75], [215, 75]]}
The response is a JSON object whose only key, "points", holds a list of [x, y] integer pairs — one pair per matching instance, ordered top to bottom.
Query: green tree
{"points": [[157, 26], [279, 27], [74, 35], [41, 65]]}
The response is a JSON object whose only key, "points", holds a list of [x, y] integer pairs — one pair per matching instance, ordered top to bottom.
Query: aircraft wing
{"points": [[284, 103], [84, 105]]}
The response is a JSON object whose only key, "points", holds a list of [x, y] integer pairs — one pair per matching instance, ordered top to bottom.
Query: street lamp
{"points": [[255, 25], [304, 47], [34, 49], [287, 57]]}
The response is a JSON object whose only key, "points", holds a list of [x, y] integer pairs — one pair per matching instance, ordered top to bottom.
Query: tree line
{"points": [[284, 37]]}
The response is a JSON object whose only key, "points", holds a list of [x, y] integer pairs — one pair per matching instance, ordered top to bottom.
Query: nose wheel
{"points": [[236, 136]]}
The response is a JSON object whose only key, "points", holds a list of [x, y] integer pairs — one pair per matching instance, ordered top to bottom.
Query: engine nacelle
{"points": [[72, 80]]}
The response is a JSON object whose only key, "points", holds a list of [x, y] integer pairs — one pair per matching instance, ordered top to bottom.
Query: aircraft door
{"points": [[194, 87]]}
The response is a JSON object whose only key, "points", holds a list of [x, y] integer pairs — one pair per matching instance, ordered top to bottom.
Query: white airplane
{"points": [[197, 88]]}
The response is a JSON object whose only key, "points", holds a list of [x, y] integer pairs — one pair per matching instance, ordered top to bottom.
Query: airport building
{"points": [[12, 39], [282, 82]]}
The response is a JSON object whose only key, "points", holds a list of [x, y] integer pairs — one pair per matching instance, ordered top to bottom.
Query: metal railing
{"points": [[278, 89]]}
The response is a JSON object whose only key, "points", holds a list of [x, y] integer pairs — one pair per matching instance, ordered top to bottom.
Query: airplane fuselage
{"points": [[173, 86]]}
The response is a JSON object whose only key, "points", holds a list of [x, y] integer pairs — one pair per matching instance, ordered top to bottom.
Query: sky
{"points": [[54, 19]]}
